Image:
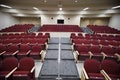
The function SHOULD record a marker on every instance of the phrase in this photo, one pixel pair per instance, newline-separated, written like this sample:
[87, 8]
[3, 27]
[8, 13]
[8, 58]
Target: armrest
[9, 44]
[85, 74]
[118, 56]
[77, 52]
[104, 55]
[91, 54]
[41, 52]
[15, 52]
[10, 72]
[73, 44]
[28, 52]
[32, 69]
[105, 75]
[2, 52]
[46, 45]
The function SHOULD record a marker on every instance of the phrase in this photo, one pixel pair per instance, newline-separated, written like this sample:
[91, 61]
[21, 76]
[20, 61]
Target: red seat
[36, 52]
[111, 68]
[92, 70]
[42, 42]
[2, 49]
[12, 50]
[8, 65]
[108, 52]
[82, 51]
[24, 51]
[72, 35]
[95, 52]
[26, 69]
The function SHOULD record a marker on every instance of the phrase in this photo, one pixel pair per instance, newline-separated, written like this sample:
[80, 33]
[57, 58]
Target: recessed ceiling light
[2, 5]
[45, 1]
[60, 9]
[36, 8]
[86, 8]
[76, 1]
[115, 7]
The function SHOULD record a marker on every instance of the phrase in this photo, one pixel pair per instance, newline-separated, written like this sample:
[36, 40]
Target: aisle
[67, 68]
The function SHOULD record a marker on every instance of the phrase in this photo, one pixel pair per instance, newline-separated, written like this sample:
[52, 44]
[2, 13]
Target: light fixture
[76, 1]
[2, 5]
[60, 5]
[60, 9]
[115, 7]
[85, 8]
[45, 1]
[35, 8]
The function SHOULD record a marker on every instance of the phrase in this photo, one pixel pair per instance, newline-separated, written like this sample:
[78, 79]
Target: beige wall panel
[29, 20]
[94, 21]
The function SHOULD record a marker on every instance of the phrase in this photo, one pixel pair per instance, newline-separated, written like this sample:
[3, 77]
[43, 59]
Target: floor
[39, 64]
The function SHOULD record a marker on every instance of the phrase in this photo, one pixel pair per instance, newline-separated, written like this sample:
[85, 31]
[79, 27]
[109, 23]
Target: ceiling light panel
[2, 5]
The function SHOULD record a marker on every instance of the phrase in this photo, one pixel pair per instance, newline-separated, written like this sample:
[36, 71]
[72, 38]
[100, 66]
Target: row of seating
[13, 69]
[24, 35]
[103, 29]
[96, 37]
[106, 70]
[60, 28]
[95, 42]
[21, 51]
[97, 52]
[95, 48]
[29, 41]
[18, 28]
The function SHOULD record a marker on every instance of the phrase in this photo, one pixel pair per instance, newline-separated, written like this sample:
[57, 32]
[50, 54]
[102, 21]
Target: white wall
[68, 19]
[115, 21]
[6, 20]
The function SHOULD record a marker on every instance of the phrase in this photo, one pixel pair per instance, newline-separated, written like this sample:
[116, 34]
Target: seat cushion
[95, 76]
[3, 73]
[21, 73]
[114, 76]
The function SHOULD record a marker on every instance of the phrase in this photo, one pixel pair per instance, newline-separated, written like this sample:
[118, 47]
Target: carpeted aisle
[67, 67]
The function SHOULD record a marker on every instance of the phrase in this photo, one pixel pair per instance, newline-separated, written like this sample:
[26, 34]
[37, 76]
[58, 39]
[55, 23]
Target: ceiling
[25, 7]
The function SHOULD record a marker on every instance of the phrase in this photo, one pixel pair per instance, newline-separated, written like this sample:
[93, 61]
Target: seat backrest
[82, 48]
[2, 48]
[9, 64]
[12, 48]
[92, 66]
[26, 64]
[111, 67]
[36, 48]
[107, 50]
[24, 47]
[95, 49]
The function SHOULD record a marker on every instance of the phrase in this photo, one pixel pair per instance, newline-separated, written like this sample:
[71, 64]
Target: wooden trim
[28, 52]
[105, 75]
[85, 73]
[104, 55]
[8, 75]
[15, 52]
[32, 69]
[2, 52]
[91, 54]
[118, 56]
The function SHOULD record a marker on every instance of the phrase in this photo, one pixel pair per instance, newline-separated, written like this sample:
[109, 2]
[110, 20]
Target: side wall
[115, 21]
[6, 20]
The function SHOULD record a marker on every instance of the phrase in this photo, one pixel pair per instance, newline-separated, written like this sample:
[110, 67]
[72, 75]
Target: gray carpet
[68, 69]
[66, 46]
[54, 40]
[53, 46]
[65, 41]
[67, 55]
[51, 55]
